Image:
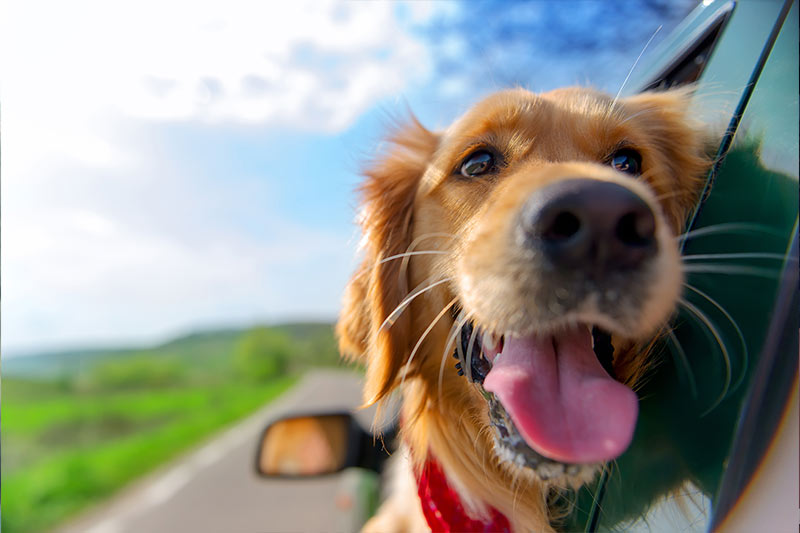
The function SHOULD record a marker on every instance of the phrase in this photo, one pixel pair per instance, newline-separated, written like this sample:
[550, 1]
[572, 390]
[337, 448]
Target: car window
[688, 65]
[672, 475]
[768, 136]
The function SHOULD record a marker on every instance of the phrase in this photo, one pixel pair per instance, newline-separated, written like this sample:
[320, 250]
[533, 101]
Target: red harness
[442, 506]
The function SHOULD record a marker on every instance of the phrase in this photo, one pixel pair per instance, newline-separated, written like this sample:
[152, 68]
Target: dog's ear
[684, 142]
[377, 288]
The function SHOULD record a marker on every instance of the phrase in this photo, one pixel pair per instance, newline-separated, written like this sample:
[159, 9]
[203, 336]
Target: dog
[518, 266]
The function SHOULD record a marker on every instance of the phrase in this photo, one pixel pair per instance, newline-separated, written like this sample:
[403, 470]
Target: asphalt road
[215, 488]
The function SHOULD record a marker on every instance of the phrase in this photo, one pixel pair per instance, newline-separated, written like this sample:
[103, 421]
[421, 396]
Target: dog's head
[522, 240]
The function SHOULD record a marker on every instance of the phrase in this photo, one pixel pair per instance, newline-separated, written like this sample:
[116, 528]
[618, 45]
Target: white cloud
[88, 252]
[314, 65]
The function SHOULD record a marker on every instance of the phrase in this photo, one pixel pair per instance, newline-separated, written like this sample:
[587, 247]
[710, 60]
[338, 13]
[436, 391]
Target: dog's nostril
[564, 226]
[636, 228]
[589, 225]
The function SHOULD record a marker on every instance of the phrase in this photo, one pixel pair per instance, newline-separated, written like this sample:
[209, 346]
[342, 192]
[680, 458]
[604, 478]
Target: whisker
[459, 348]
[407, 300]
[731, 270]
[409, 254]
[457, 325]
[399, 256]
[616, 470]
[413, 245]
[625, 81]
[470, 346]
[724, 350]
[728, 227]
[746, 255]
[601, 484]
[745, 354]
[681, 354]
[422, 338]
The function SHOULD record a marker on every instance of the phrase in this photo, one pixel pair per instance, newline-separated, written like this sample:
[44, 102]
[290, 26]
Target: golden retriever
[534, 241]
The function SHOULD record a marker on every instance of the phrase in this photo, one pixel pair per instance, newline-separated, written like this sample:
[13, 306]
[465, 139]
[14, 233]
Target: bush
[262, 354]
[136, 372]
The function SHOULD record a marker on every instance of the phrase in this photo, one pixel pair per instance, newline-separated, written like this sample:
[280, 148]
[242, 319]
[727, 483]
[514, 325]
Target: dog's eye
[477, 163]
[627, 161]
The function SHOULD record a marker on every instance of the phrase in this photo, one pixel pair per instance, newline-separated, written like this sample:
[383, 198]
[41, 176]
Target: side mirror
[314, 445]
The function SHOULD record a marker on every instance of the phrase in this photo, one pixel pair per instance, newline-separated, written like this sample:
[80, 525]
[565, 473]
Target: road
[215, 488]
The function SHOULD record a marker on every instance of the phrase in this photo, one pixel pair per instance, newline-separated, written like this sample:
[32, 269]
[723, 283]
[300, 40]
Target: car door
[729, 366]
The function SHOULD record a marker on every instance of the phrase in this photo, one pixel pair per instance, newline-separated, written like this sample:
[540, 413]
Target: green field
[72, 438]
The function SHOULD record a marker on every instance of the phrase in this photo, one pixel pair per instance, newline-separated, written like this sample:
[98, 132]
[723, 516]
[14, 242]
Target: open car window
[708, 413]
[688, 65]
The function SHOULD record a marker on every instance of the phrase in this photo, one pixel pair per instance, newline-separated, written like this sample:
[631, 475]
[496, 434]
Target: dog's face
[544, 226]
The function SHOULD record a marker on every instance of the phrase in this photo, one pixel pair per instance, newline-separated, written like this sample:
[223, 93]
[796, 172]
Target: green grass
[64, 450]
[79, 425]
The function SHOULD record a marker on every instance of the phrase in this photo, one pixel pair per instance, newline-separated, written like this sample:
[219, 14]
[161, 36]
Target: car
[716, 443]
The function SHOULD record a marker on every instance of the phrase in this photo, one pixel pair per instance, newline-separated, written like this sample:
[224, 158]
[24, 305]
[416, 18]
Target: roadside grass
[65, 450]
[79, 425]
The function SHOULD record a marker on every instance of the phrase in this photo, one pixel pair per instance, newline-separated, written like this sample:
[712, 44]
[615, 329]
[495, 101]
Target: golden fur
[412, 201]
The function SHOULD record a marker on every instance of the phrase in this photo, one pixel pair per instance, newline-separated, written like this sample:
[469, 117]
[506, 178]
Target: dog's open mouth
[553, 402]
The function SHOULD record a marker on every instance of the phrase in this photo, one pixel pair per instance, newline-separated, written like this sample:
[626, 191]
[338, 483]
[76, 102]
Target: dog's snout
[589, 224]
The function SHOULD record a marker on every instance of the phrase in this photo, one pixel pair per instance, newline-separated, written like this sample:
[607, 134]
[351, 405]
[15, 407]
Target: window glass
[671, 476]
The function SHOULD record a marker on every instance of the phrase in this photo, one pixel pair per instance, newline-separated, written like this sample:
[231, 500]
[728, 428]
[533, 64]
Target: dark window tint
[689, 65]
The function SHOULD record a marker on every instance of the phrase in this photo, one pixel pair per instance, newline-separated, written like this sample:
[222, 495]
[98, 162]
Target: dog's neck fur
[475, 474]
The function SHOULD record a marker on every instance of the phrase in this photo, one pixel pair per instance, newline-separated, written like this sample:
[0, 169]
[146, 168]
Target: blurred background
[178, 227]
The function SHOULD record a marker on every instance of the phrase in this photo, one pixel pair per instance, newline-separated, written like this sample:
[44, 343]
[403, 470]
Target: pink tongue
[561, 399]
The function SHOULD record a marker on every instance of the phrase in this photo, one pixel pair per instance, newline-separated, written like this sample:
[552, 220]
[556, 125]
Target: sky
[174, 166]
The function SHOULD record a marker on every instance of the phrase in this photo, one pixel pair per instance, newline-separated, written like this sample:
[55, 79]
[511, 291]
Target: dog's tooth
[498, 342]
[490, 340]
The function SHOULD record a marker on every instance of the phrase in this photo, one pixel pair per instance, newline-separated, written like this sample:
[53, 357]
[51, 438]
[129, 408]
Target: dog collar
[443, 509]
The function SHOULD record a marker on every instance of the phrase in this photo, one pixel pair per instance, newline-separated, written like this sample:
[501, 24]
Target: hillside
[210, 350]
[79, 425]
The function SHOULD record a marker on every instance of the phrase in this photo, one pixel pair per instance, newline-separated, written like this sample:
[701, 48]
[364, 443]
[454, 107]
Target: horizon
[101, 345]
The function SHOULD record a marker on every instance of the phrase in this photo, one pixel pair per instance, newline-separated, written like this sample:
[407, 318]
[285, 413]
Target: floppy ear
[376, 288]
[681, 138]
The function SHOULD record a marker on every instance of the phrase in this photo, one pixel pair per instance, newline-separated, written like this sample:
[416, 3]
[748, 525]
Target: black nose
[589, 224]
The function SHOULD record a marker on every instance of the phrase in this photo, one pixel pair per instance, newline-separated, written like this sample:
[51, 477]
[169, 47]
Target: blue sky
[173, 166]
